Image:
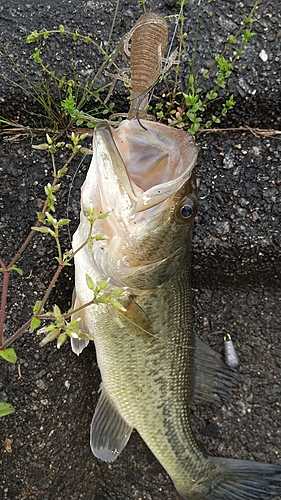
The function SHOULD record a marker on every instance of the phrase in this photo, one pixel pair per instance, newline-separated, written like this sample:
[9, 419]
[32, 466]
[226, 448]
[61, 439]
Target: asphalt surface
[44, 449]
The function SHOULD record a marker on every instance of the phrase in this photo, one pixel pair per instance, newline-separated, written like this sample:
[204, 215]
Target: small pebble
[263, 55]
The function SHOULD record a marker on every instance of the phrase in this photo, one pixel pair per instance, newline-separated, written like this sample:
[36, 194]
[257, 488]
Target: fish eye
[186, 210]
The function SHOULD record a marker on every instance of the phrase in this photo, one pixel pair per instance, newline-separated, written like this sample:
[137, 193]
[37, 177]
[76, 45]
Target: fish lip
[103, 134]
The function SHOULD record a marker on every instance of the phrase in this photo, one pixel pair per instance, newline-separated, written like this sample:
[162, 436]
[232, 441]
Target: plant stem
[25, 327]
[112, 26]
[67, 314]
[6, 273]
[32, 232]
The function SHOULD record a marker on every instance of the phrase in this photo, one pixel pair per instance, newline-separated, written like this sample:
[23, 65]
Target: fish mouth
[137, 176]
[150, 163]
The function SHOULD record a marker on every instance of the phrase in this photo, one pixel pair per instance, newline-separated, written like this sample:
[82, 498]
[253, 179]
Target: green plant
[187, 109]
[62, 99]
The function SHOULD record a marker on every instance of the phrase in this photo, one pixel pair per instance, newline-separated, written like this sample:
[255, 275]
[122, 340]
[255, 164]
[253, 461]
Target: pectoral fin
[213, 379]
[78, 345]
[109, 432]
[139, 322]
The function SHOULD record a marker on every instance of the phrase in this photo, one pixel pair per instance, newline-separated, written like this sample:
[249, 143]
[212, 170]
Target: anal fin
[213, 378]
[109, 432]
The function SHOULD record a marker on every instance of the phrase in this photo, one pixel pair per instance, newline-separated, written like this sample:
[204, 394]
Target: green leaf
[102, 216]
[118, 291]
[35, 323]
[85, 151]
[6, 409]
[211, 95]
[50, 337]
[194, 127]
[61, 339]
[57, 311]
[64, 222]
[50, 218]
[36, 56]
[190, 98]
[103, 285]
[99, 236]
[247, 35]
[9, 355]
[118, 306]
[43, 230]
[50, 142]
[215, 119]
[32, 37]
[191, 116]
[41, 147]
[90, 283]
[16, 268]
[221, 84]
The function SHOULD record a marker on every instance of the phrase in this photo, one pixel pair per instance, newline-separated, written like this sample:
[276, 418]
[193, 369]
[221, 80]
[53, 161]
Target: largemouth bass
[152, 366]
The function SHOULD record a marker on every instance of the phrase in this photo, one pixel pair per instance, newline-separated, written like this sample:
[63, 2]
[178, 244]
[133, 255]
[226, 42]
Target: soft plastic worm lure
[149, 38]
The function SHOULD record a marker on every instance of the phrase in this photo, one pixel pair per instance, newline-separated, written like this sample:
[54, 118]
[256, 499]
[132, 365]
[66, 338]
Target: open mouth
[151, 163]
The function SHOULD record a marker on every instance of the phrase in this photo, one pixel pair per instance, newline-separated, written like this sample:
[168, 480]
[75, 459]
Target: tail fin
[238, 480]
[245, 479]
